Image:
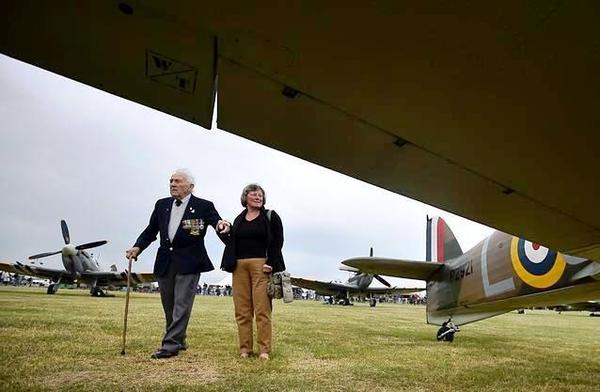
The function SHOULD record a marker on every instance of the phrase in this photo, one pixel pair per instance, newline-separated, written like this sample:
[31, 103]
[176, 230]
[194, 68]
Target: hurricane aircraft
[500, 274]
[357, 285]
[79, 267]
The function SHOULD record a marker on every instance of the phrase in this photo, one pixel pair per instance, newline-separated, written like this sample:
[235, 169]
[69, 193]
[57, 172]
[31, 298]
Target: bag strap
[269, 219]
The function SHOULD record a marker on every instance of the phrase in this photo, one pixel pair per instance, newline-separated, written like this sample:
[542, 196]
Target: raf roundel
[536, 265]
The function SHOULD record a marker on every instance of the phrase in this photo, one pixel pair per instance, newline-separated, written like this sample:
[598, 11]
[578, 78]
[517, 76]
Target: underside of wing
[410, 269]
[106, 278]
[473, 312]
[453, 99]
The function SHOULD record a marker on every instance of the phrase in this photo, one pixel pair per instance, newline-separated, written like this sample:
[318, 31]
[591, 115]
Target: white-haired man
[181, 220]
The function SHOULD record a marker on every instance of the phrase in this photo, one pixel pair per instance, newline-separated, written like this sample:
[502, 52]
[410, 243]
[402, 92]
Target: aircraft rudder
[441, 244]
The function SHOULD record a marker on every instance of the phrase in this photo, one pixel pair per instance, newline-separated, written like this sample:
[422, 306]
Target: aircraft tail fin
[441, 243]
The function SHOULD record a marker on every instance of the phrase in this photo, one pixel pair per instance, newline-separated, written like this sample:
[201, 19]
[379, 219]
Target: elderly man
[181, 221]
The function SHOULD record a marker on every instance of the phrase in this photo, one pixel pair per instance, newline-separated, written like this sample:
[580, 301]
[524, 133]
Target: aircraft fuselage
[500, 274]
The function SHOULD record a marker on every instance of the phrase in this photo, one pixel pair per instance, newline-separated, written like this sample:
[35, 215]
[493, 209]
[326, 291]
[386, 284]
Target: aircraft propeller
[383, 281]
[39, 256]
[90, 245]
[68, 249]
[65, 231]
[378, 277]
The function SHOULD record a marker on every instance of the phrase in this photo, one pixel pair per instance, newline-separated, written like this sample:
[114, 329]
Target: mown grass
[71, 341]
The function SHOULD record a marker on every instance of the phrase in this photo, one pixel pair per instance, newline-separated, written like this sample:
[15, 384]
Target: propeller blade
[90, 245]
[65, 231]
[371, 252]
[44, 255]
[385, 282]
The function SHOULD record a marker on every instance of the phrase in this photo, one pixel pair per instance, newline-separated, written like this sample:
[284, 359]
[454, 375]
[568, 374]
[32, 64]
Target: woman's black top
[273, 229]
[251, 239]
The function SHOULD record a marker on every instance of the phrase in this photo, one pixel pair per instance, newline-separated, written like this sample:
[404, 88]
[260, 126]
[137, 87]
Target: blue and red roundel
[536, 265]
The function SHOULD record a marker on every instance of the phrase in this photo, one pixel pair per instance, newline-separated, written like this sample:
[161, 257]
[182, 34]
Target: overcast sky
[69, 151]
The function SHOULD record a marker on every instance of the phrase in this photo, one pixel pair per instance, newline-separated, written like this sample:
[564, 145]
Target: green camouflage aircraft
[358, 285]
[79, 267]
[500, 274]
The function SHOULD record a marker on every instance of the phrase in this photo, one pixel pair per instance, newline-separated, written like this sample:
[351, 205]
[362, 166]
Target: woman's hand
[267, 269]
[223, 227]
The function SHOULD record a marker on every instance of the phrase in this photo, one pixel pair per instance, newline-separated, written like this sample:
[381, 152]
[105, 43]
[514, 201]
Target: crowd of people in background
[12, 279]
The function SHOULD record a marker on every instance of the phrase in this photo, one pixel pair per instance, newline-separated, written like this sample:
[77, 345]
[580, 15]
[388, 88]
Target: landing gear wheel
[372, 302]
[98, 292]
[52, 288]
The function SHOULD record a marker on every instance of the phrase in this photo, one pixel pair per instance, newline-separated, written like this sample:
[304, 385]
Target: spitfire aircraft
[80, 267]
[357, 285]
[500, 274]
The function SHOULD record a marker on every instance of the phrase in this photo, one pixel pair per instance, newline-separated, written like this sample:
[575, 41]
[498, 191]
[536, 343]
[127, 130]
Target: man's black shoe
[162, 354]
[183, 347]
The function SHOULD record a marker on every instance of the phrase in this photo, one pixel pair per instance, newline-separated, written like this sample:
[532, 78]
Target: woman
[252, 253]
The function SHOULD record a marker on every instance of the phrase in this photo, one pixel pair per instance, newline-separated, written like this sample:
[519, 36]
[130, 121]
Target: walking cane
[126, 305]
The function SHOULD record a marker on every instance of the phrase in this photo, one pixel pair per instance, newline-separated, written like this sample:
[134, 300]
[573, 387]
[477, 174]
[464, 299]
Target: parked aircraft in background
[356, 286]
[588, 306]
[500, 274]
[80, 267]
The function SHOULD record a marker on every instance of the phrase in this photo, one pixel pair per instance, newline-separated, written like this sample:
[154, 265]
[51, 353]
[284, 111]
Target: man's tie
[178, 202]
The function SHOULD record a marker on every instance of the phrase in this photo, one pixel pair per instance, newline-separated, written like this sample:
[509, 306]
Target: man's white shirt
[176, 215]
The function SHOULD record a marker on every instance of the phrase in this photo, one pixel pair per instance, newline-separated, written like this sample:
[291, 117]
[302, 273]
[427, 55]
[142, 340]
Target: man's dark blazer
[187, 251]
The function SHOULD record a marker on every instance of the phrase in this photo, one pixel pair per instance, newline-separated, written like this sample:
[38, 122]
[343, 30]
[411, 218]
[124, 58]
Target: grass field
[71, 341]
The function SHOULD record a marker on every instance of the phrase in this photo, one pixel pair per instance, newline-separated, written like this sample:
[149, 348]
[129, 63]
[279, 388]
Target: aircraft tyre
[52, 288]
[98, 292]
[372, 302]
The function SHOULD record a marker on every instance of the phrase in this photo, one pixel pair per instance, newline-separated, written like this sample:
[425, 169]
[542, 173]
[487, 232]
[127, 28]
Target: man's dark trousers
[177, 293]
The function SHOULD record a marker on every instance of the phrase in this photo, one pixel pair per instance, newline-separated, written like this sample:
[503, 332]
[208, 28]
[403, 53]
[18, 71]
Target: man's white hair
[187, 174]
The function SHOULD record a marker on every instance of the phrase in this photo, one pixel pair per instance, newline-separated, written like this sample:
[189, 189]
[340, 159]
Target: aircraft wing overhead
[459, 106]
[395, 267]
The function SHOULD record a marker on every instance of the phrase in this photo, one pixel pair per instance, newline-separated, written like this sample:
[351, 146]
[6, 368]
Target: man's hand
[267, 269]
[223, 227]
[132, 253]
